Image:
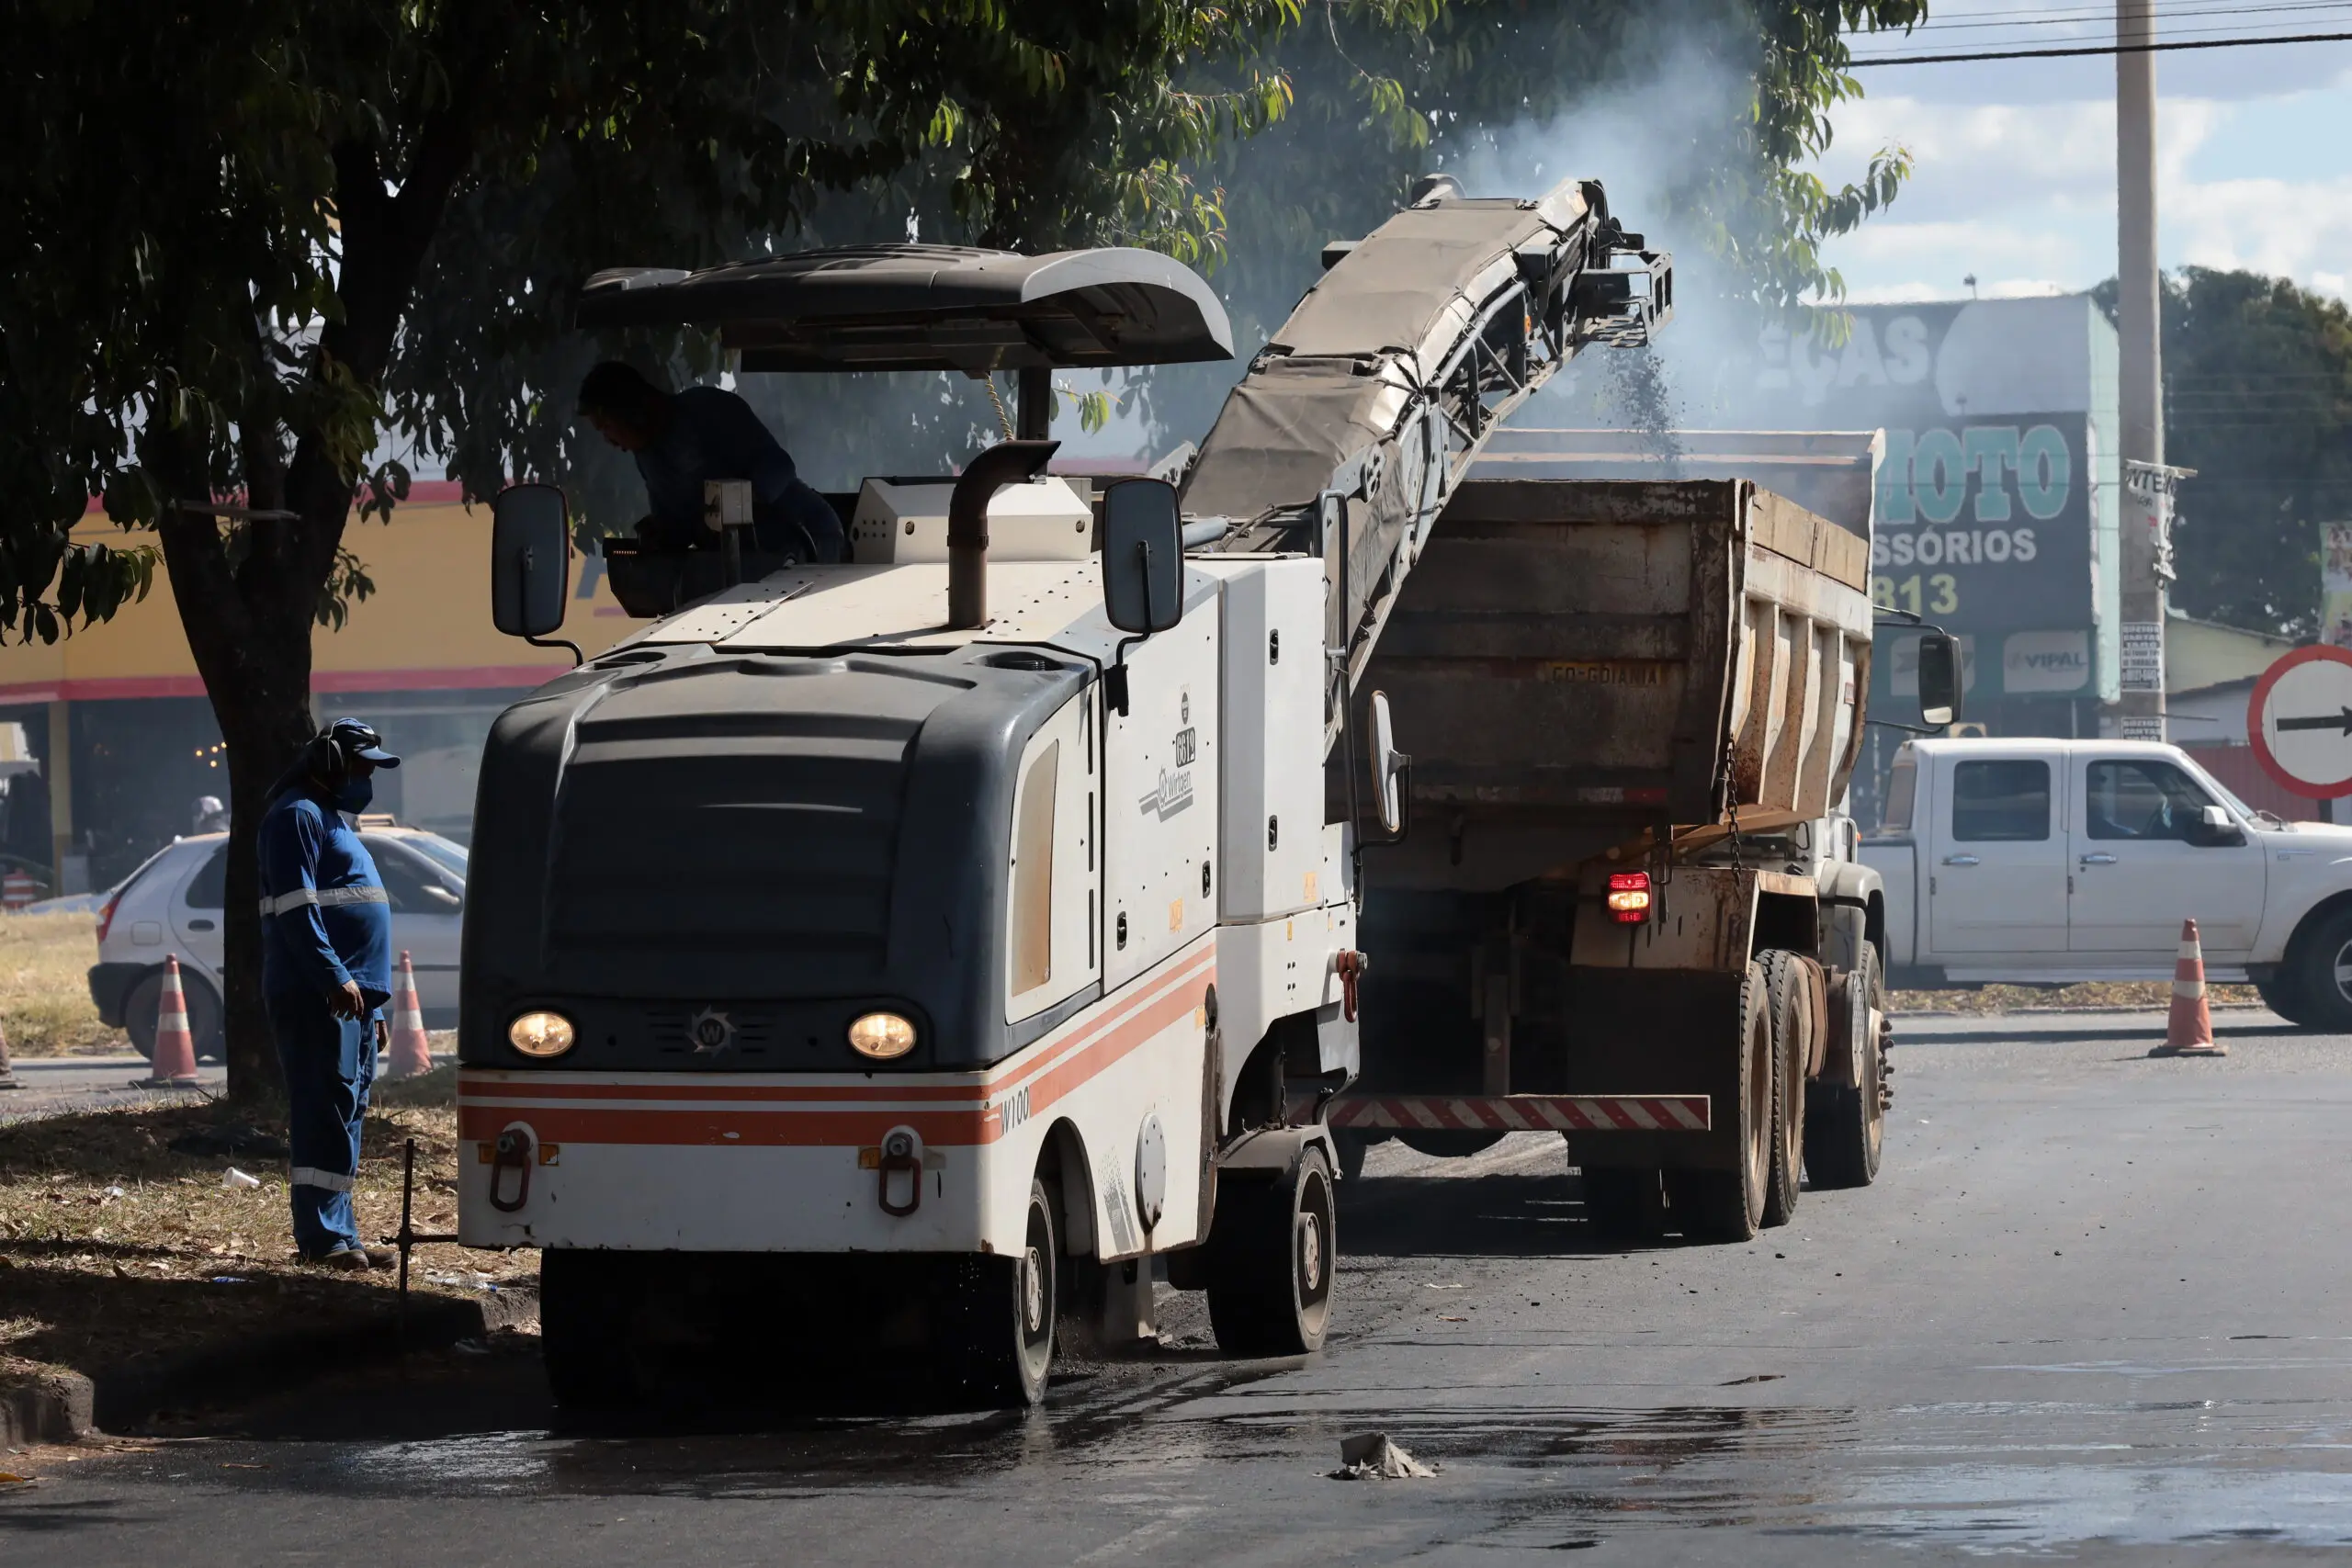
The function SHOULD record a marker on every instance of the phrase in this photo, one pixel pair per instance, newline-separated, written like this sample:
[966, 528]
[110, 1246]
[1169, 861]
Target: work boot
[352, 1259]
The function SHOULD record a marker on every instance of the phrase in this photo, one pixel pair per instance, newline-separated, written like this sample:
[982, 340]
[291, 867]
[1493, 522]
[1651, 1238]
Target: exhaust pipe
[1008, 462]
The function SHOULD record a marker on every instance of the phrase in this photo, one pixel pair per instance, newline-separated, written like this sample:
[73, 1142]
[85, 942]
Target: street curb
[63, 1408]
[49, 1406]
[2062, 1012]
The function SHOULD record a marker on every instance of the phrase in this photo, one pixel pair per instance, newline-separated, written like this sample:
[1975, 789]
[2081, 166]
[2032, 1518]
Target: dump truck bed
[1576, 660]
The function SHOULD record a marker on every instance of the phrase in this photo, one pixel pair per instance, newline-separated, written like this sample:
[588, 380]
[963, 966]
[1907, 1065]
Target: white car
[173, 905]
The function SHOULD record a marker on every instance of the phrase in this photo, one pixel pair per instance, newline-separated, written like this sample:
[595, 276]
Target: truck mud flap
[1522, 1112]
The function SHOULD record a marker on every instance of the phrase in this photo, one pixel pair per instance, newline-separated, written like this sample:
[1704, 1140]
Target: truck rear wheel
[1789, 1004]
[1625, 1205]
[1845, 1124]
[1001, 1347]
[1728, 1205]
[1271, 1255]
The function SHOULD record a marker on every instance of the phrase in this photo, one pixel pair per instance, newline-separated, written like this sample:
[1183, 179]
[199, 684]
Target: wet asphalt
[2094, 1311]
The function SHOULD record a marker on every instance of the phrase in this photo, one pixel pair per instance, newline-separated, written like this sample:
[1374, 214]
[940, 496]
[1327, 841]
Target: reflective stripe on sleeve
[325, 897]
[310, 1175]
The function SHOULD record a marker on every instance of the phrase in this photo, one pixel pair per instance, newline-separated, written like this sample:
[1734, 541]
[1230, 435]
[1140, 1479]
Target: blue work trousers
[330, 1064]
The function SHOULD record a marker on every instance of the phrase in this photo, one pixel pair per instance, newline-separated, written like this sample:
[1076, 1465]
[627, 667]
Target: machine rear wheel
[1271, 1257]
[1790, 986]
[1844, 1124]
[1005, 1314]
[1728, 1205]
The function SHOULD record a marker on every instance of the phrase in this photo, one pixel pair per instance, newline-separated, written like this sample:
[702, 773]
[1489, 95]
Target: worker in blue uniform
[326, 974]
[681, 440]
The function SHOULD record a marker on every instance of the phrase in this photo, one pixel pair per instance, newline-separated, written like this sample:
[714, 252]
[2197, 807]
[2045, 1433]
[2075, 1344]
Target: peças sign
[1988, 499]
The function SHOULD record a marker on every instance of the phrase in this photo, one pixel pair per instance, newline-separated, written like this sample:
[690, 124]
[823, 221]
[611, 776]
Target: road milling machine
[921, 952]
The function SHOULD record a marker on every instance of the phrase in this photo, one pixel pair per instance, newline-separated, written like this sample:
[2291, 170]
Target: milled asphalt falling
[2092, 1312]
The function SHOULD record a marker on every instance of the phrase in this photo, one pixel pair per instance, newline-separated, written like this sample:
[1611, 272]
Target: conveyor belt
[1355, 422]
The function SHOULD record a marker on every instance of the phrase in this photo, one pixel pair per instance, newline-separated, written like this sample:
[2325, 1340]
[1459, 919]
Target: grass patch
[2156, 994]
[45, 988]
[113, 1245]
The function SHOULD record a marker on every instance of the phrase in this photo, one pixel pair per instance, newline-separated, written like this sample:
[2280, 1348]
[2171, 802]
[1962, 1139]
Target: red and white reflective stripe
[2189, 970]
[1523, 1112]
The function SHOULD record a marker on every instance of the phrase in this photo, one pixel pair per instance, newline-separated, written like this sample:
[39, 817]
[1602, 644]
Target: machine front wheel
[1006, 1312]
[587, 1308]
[1271, 1257]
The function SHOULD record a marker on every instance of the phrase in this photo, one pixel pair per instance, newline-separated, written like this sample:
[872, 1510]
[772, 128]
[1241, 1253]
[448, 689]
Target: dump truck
[1630, 671]
[924, 950]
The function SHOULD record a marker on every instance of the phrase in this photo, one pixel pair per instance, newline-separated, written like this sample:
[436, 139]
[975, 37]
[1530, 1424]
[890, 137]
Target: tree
[1734, 99]
[211, 260]
[2258, 401]
[253, 240]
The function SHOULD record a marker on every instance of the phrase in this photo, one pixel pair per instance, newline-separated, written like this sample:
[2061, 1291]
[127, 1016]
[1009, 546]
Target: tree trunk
[249, 628]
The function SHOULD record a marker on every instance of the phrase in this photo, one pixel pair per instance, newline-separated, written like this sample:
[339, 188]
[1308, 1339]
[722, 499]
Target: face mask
[355, 796]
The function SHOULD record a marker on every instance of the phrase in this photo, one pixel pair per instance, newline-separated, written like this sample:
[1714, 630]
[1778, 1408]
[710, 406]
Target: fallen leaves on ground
[113, 1246]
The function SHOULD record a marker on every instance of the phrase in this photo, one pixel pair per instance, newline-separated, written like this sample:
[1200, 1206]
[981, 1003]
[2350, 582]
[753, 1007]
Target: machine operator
[682, 439]
[326, 974]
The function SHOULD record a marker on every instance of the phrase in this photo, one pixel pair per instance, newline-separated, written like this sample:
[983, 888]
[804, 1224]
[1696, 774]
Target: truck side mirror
[2215, 829]
[530, 559]
[1143, 557]
[1938, 680]
[1391, 770]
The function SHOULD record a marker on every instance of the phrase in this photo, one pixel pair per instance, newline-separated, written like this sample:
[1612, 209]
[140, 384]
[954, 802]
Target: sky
[2016, 159]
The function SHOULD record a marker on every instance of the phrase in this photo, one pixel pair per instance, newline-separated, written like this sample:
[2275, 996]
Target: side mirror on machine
[1143, 557]
[1392, 772]
[1938, 680]
[530, 563]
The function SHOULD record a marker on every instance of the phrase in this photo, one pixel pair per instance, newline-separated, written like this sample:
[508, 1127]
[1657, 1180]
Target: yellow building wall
[425, 628]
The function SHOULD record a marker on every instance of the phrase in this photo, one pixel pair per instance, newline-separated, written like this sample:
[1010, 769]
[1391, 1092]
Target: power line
[2163, 48]
[2039, 19]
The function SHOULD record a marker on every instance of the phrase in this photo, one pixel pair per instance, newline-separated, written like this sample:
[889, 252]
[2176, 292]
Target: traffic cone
[411, 1053]
[2189, 1031]
[174, 1063]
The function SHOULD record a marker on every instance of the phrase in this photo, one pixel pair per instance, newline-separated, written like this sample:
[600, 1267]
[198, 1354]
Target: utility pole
[2146, 501]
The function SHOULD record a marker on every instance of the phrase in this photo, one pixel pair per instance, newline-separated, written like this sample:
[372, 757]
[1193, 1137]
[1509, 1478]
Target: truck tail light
[1629, 896]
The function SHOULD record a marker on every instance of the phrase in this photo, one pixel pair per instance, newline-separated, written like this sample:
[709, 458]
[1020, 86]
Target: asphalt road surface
[2093, 1311]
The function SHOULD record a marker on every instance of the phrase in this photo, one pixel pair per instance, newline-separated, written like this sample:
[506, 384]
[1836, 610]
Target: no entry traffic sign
[2299, 722]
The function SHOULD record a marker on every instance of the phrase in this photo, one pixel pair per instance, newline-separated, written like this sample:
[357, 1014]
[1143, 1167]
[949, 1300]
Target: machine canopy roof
[928, 308]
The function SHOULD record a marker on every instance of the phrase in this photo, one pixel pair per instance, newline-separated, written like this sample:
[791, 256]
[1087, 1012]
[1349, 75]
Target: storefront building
[125, 737]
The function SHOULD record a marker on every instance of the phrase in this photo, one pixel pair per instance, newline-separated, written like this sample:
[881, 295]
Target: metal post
[2139, 321]
[1036, 395]
[61, 796]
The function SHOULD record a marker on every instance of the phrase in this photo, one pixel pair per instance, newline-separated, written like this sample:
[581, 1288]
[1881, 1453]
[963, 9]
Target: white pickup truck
[2047, 862]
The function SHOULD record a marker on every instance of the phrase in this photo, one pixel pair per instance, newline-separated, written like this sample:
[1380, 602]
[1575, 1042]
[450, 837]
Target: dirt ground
[45, 988]
[114, 1245]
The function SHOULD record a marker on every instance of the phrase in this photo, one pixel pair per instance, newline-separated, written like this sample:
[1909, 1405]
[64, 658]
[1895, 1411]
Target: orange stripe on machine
[709, 1112]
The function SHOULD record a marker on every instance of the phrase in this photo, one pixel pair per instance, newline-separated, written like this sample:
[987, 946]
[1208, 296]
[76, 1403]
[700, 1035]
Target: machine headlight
[540, 1034]
[884, 1036]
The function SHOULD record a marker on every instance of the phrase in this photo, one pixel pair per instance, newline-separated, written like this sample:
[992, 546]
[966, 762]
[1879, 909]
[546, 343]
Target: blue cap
[358, 738]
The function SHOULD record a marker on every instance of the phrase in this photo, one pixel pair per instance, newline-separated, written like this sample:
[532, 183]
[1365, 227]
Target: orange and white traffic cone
[411, 1053]
[174, 1063]
[2189, 1031]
